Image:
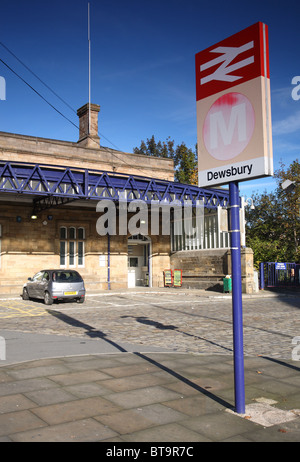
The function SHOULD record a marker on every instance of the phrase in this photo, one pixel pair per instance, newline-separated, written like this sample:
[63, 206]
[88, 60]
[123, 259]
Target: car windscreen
[66, 276]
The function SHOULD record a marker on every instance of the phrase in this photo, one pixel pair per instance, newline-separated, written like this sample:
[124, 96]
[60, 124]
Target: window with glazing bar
[72, 246]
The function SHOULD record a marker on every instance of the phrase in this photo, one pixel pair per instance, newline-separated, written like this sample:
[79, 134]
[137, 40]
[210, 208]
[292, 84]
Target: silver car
[53, 285]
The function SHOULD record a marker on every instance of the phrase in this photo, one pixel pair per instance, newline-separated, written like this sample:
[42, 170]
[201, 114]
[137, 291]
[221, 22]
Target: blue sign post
[237, 303]
[235, 142]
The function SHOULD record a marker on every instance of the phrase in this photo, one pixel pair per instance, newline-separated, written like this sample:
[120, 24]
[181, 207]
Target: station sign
[233, 109]
[280, 266]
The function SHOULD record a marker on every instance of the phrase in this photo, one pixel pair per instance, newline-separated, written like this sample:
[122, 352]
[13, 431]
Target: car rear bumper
[68, 294]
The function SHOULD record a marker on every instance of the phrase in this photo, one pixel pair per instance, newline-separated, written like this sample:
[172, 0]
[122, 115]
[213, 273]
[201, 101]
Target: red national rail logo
[232, 61]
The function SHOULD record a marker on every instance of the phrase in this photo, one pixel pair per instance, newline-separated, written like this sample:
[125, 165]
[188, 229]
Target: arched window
[72, 232]
[63, 232]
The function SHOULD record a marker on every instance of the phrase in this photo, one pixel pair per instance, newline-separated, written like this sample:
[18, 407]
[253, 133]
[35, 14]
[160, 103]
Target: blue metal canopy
[56, 185]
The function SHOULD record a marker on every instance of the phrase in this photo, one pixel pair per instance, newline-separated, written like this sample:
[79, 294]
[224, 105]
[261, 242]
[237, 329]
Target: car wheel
[25, 295]
[48, 299]
[80, 300]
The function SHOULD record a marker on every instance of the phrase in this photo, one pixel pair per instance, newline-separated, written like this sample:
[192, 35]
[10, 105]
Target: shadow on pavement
[89, 330]
[282, 363]
[186, 381]
[158, 325]
[92, 333]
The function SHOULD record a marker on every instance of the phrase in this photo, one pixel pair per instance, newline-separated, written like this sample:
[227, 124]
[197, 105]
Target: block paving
[182, 394]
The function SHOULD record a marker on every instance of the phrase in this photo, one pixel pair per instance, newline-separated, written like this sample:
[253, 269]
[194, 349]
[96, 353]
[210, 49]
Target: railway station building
[53, 197]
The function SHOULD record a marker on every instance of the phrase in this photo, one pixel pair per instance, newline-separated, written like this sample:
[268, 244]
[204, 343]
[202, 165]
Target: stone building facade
[65, 234]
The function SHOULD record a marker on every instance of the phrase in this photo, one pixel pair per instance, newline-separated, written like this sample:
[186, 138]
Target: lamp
[288, 185]
[252, 206]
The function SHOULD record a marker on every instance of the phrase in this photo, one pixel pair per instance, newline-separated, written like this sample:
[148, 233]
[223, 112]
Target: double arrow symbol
[228, 55]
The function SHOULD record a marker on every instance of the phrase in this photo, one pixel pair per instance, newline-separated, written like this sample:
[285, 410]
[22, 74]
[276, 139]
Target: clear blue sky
[143, 70]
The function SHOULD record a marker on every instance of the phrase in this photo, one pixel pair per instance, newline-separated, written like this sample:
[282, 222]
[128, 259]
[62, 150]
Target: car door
[42, 284]
[32, 285]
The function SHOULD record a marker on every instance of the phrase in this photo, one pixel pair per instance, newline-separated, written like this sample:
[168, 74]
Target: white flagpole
[89, 40]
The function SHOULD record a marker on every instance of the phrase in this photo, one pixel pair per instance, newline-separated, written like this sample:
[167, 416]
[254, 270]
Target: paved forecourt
[148, 366]
[173, 320]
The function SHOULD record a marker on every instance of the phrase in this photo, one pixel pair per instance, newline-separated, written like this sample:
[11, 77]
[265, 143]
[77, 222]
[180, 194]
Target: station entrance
[277, 274]
[139, 268]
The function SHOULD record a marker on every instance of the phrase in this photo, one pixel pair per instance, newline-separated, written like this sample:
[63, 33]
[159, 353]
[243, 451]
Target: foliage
[273, 228]
[185, 159]
[267, 250]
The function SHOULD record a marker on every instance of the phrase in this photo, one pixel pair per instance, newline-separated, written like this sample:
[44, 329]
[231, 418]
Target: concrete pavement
[147, 397]
[100, 389]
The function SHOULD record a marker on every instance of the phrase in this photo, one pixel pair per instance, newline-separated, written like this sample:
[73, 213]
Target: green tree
[186, 164]
[185, 159]
[290, 203]
[157, 149]
[273, 228]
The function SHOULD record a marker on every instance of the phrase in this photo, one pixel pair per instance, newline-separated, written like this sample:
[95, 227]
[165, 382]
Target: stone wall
[28, 246]
[247, 268]
[201, 269]
[160, 259]
[205, 269]
[22, 148]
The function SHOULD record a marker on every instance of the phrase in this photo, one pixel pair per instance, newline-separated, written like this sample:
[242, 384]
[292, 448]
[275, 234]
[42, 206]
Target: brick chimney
[88, 136]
